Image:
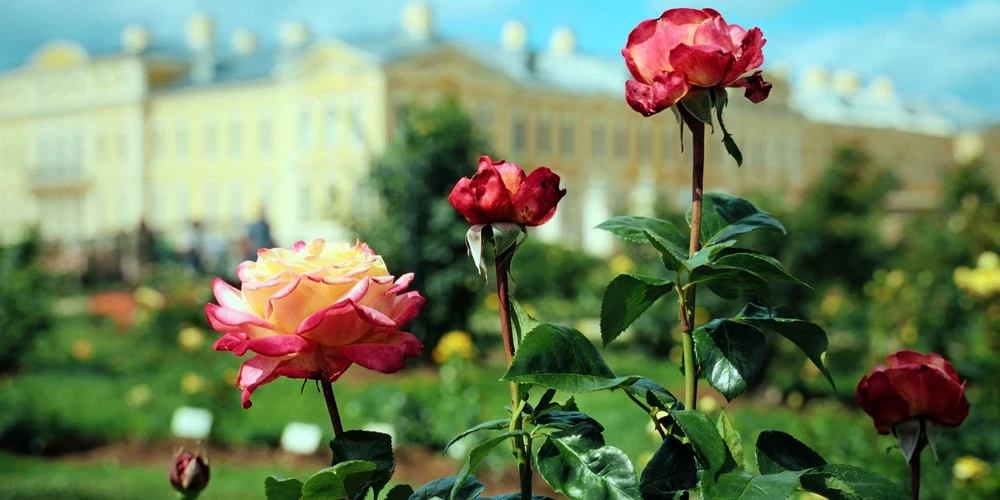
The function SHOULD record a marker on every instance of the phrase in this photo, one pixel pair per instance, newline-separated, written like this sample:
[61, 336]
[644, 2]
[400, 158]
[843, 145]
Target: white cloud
[936, 54]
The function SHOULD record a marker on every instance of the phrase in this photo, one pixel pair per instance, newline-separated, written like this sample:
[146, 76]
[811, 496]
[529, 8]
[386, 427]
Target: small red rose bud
[189, 473]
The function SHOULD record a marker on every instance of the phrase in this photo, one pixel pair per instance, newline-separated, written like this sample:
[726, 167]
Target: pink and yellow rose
[689, 49]
[312, 311]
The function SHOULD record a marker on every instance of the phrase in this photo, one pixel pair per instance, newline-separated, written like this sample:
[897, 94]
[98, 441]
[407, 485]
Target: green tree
[26, 293]
[418, 230]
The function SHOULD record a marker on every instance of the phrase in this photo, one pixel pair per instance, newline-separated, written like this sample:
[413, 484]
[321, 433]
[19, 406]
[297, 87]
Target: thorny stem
[331, 406]
[519, 444]
[687, 306]
[915, 476]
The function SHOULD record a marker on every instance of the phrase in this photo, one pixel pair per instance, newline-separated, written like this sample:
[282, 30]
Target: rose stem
[915, 476]
[331, 406]
[687, 306]
[503, 296]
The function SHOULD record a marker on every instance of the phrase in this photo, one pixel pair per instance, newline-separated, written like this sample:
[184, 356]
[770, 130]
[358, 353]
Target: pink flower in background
[912, 386]
[501, 192]
[687, 49]
[312, 311]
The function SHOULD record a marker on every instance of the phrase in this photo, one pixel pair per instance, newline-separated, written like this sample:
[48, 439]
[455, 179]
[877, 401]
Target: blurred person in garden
[193, 248]
[259, 234]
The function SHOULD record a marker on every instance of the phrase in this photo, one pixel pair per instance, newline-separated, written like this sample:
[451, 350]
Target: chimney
[514, 36]
[562, 42]
[136, 39]
[244, 42]
[418, 20]
[201, 41]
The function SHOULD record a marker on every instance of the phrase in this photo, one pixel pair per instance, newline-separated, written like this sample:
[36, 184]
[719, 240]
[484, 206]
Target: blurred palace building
[92, 144]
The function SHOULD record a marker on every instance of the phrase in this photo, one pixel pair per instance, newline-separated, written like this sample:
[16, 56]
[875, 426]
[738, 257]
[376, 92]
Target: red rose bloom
[912, 386]
[500, 192]
[690, 48]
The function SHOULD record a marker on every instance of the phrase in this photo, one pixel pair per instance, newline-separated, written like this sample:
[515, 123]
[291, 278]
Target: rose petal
[511, 174]
[492, 196]
[387, 356]
[931, 393]
[535, 203]
[667, 89]
[702, 65]
[225, 320]
[648, 47]
[737, 34]
[463, 198]
[752, 56]
[714, 32]
[260, 370]
[229, 297]
[907, 357]
[757, 88]
[879, 399]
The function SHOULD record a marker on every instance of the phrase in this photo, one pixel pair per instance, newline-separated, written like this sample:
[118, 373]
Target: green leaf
[577, 368]
[575, 462]
[654, 393]
[810, 338]
[732, 439]
[514, 496]
[522, 322]
[492, 425]
[724, 217]
[762, 265]
[719, 99]
[399, 492]
[566, 419]
[730, 355]
[506, 237]
[470, 489]
[374, 447]
[701, 257]
[673, 257]
[474, 245]
[730, 283]
[626, 298]
[476, 457]
[545, 401]
[741, 485]
[671, 469]
[631, 228]
[277, 488]
[706, 441]
[846, 482]
[778, 451]
[339, 482]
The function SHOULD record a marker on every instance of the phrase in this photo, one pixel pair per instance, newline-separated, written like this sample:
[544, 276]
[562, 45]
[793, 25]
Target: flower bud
[189, 473]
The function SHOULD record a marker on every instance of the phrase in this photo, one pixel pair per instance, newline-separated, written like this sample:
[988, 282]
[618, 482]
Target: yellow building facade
[90, 145]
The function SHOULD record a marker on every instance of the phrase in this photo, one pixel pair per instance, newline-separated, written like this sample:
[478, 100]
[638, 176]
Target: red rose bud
[189, 473]
[501, 192]
[913, 386]
[688, 48]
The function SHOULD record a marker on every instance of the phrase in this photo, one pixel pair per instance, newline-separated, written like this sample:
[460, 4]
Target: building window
[597, 140]
[181, 142]
[621, 142]
[566, 139]
[518, 137]
[544, 135]
[211, 139]
[265, 135]
[357, 126]
[234, 137]
[331, 125]
[304, 127]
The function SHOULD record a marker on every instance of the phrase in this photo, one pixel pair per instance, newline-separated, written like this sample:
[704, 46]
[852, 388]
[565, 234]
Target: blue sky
[946, 51]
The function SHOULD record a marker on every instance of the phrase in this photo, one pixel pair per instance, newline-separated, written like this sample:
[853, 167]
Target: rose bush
[312, 311]
[913, 386]
[501, 192]
[687, 49]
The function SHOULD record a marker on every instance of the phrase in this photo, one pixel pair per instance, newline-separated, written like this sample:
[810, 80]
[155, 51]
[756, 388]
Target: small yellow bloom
[190, 338]
[708, 404]
[895, 278]
[701, 316]
[988, 260]
[970, 468]
[454, 343]
[149, 298]
[192, 383]
[621, 264]
[82, 350]
[492, 302]
[139, 396]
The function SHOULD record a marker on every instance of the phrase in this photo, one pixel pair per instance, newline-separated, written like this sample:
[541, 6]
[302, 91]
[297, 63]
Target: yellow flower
[82, 350]
[895, 278]
[708, 404]
[190, 338]
[621, 264]
[192, 383]
[454, 343]
[492, 302]
[988, 260]
[970, 468]
[149, 298]
[701, 316]
[139, 396]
